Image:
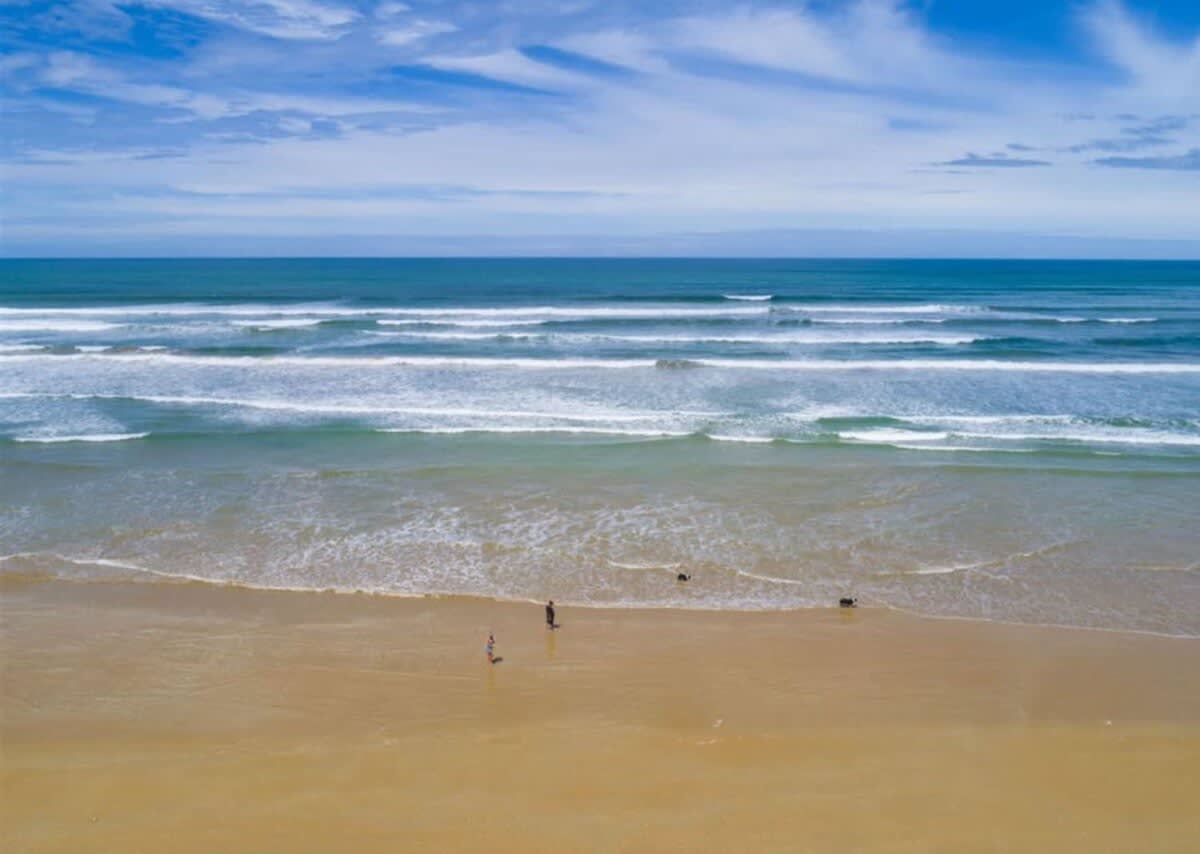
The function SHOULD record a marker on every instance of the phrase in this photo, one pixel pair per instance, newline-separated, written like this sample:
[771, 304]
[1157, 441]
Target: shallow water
[1008, 440]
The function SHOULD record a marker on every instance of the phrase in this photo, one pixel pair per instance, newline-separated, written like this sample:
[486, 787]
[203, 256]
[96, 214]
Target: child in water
[490, 648]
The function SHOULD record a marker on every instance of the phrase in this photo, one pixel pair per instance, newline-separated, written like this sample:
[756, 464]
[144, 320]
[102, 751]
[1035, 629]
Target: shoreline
[36, 577]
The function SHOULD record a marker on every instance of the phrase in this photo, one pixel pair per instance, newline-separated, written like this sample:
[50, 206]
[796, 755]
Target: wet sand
[185, 717]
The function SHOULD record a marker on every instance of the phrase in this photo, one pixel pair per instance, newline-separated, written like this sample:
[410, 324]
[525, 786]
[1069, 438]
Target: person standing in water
[490, 648]
[550, 624]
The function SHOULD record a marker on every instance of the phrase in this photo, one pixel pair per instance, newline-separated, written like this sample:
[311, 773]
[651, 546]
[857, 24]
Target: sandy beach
[188, 717]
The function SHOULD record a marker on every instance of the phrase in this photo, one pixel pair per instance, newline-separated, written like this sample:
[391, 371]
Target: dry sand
[183, 717]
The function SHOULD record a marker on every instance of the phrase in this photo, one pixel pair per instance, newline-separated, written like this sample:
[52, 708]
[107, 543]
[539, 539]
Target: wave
[581, 426]
[882, 308]
[340, 408]
[277, 323]
[779, 339]
[337, 408]
[654, 312]
[931, 570]
[1091, 437]
[1098, 319]
[771, 579]
[749, 297]
[282, 315]
[726, 437]
[884, 437]
[184, 309]
[863, 321]
[484, 362]
[109, 563]
[33, 325]
[820, 426]
[645, 566]
[426, 314]
[476, 323]
[546, 429]
[85, 437]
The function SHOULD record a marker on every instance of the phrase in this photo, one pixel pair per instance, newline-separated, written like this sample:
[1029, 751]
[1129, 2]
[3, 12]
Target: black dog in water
[847, 602]
[683, 576]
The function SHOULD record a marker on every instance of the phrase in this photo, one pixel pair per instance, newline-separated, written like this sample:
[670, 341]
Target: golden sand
[182, 717]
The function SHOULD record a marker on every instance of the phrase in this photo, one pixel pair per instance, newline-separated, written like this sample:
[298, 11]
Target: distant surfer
[848, 602]
[550, 624]
[684, 576]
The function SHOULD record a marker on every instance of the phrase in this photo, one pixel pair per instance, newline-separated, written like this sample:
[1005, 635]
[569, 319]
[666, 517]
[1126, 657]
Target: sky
[1029, 128]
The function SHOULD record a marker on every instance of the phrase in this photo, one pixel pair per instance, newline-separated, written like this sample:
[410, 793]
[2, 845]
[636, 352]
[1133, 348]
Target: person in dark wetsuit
[550, 624]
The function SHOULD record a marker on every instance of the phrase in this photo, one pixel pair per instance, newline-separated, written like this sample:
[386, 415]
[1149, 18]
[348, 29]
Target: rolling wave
[277, 323]
[487, 362]
[778, 339]
[85, 437]
[47, 325]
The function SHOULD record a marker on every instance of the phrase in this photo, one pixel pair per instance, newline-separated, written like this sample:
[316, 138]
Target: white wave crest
[484, 362]
[1100, 435]
[544, 429]
[36, 325]
[751, 440]
[470, 323]
[277, 323]
[778, 339]
[85, 437]
[884, 436]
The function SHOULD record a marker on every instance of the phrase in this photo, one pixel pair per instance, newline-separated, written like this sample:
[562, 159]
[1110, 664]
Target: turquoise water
[1009, 440]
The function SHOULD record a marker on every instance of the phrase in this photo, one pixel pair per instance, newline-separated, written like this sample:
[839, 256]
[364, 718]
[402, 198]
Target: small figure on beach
[490, 648]
[550, 624]
[684, 576]
[848, 602]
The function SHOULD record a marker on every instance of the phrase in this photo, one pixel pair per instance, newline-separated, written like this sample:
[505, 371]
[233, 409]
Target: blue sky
[207, 127]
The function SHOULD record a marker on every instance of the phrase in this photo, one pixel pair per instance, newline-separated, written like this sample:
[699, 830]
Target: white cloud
[780, 38]
[17, 61]
[1160, 69]
[510, 66]
[282, 19]
[401, 28]
[80, 73]
[414, 31]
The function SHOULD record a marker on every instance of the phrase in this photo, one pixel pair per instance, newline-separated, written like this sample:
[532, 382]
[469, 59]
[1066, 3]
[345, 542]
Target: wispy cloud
[283, 19]
[988, 161]
[1158, 65]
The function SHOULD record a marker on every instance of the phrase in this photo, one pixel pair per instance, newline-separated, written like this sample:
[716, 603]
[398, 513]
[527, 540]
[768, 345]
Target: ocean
[1006, 440]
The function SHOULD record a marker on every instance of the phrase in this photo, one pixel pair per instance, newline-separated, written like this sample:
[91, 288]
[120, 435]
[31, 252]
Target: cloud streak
[992, 161]
[1187, 162]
